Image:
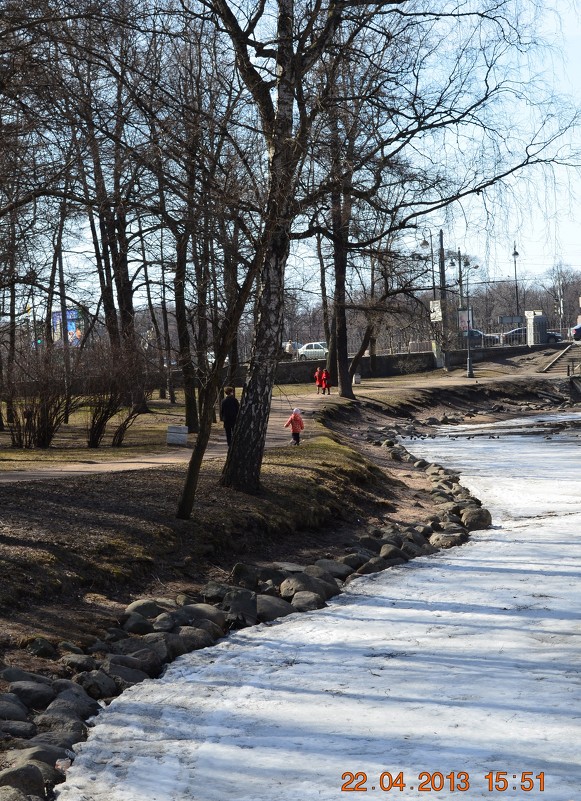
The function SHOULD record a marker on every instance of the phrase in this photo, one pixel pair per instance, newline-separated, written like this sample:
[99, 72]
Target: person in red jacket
[318, 378]
[326, 381]
[296, 424]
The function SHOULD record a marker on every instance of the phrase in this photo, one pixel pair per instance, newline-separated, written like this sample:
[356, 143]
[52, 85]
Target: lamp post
[515, 255]
[425, 244]
[469, 370]
[438, 310]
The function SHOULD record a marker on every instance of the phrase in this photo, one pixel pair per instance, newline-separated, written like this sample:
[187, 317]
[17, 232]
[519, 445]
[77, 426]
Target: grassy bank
[113, 533]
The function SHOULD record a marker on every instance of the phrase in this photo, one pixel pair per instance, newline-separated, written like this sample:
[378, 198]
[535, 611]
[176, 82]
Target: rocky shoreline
[41, 718]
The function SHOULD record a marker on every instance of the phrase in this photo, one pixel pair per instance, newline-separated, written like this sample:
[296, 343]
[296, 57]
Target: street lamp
[469, 370]
[515, 255]
[438, 308]
[425, 244]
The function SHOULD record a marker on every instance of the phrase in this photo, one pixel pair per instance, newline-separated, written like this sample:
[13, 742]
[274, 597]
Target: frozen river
[456, 676]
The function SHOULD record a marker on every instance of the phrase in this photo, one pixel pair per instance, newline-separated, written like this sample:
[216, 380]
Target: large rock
[189, 613]
[211, 628]
[43, 648]
[78, 662]
[64, 723]
[302, 582]
[476, 518]
[271, 608]
[370, 543]
[240, 607]
[273, 574]
[146, 607]
[245, 576]
[375, 565]
[391, 538]
[50, 774]
[194, 638]
[166, 645]
[215, 591]
[28, 779]
[96, 683]
[442, 539]
[11, 674]
[390, 551]
[56, 737]
[74, 703]
[336, 569]
[353, 560]
[33, 694]
[122, 675]
[137, 624]
[164, 622]
[144, 661]
[18, 728]
[411, 549]
[37, 753]
[307, 601]
[10, 710]
[320, 573]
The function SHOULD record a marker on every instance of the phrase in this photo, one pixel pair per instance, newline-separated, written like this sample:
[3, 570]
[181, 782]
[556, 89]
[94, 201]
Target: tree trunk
[244, 461]
[362, 348]
[207, 402]
[186, 363]
[340, 235]
[324, 299]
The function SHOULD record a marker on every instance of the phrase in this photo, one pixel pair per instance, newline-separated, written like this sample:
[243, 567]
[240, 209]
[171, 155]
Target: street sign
[435, 311]
[510, 319]
[464, 319]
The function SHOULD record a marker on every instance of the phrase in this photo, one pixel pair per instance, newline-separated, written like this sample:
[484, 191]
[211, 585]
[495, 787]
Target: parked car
[554, 336]
[518, 336]
[480, 339]
[576, 332]
[313, 350]
[212, 359]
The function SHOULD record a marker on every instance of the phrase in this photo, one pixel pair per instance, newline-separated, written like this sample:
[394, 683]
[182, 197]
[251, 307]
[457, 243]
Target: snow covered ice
[465, 662]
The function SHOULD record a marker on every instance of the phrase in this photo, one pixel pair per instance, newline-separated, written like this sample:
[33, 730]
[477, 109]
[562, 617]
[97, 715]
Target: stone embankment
[42, 718]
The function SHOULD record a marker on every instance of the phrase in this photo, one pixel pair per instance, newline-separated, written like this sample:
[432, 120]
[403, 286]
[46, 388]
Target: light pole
[425, 244]
[515, 255]
[438, 309]
[469, 370]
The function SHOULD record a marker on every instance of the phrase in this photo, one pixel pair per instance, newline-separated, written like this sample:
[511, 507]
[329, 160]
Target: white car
[313, 350]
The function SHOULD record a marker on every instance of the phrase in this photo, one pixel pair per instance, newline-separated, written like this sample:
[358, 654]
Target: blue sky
[551, 232]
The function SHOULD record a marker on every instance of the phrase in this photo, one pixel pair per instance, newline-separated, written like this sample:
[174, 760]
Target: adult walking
[229, 412]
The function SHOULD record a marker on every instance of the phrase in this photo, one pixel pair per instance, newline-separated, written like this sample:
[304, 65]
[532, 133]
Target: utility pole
[443, 300]
[515, 255]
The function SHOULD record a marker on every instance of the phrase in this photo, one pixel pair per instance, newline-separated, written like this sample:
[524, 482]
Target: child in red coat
[296, 424]
[326, 381]
[318, 378]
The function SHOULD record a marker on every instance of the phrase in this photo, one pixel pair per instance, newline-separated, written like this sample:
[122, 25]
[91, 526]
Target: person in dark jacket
[229, 412]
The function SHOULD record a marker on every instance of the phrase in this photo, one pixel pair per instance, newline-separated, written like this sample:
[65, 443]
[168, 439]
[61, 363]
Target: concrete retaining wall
[385, 366]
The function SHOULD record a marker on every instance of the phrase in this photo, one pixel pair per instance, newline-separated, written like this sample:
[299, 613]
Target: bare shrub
[113, 381]
[39, 398]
